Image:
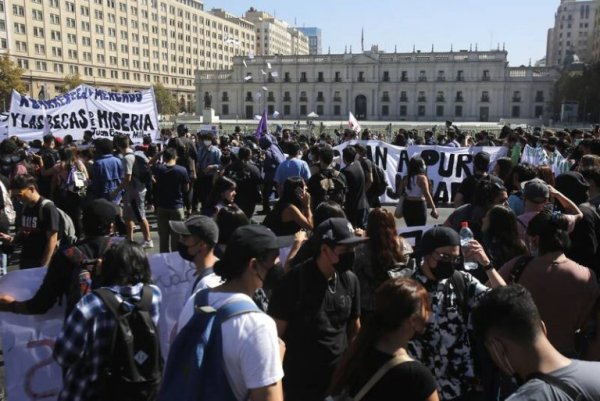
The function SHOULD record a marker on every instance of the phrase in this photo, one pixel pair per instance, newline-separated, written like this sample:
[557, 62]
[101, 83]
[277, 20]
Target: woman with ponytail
[564, 291]
[377, 366]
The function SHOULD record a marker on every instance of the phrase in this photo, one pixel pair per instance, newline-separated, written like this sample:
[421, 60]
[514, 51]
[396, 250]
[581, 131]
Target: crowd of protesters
[353, 311]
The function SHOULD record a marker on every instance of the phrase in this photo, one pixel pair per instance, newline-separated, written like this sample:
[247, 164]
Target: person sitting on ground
[514, 333]
[402, 309]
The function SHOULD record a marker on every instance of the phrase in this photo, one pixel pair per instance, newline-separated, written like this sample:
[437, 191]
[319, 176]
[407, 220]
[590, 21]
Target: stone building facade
[458, 86]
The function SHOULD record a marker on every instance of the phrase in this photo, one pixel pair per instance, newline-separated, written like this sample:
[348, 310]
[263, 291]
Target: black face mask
[444, 270]
[345, 262]
[182, 249]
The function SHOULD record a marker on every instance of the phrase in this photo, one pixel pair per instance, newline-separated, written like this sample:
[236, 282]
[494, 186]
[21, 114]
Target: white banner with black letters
[446, 167]
[31, 373]
[85, 108]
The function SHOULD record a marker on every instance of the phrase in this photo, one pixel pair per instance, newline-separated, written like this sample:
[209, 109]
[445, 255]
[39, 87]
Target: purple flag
[262, 128]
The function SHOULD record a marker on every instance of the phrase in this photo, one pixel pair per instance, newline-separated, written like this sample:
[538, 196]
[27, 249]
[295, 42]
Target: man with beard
[316, 308]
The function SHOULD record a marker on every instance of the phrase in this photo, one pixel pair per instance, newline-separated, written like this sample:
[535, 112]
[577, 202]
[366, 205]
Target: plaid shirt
[83, 343]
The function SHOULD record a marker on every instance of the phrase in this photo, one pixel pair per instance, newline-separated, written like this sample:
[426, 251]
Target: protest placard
[85, 108]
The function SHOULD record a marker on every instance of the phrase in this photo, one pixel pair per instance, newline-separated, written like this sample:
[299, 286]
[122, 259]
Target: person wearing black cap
[317, 310]
[61, 277]
[198, 237]
[251, 349]
[444, 347]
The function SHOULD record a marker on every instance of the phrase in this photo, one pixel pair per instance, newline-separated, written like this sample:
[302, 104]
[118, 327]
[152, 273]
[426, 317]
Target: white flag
[263, 72]
[275, 74]
[247, 77]
[353, 123]
[245, 65]
[269, 66]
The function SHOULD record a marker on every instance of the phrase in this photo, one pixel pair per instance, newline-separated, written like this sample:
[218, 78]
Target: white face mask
[207, 143]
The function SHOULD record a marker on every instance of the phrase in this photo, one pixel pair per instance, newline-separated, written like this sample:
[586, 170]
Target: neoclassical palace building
[458, 85]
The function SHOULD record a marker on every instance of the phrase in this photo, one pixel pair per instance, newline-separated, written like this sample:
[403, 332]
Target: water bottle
[466, 236]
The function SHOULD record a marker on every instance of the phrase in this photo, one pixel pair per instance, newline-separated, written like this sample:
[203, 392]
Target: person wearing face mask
[514, 333]
[552, 278]
[402, 310]
[207, 166]
[294, 166]
[444, 347]
[316, 307]
[198, 238]
[252, 353]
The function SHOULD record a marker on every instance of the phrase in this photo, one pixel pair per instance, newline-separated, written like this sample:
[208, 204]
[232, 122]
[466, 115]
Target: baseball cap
[437, 237]
[536, 191]
[337, 231]
[251, 241]
[201, 226]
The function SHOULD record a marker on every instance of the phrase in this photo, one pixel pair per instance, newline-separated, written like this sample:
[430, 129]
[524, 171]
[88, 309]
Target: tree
[70, 82]
[165, 103]
[10, 78]
[582, 88]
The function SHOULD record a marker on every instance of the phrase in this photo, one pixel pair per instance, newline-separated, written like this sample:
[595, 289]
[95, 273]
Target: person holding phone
[292, 211]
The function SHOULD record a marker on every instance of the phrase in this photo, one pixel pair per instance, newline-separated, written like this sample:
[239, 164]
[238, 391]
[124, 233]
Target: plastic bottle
[466, 236]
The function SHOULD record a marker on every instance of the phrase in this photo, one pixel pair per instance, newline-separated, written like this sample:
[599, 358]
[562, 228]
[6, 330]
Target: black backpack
[379, 181]
[331, 188]
[134, 369]
[141, 170]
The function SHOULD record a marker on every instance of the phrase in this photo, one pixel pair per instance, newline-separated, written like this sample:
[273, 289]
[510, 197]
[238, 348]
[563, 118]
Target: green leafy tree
[581, 87]
[70, 82]
[10, 78]
[165, 103]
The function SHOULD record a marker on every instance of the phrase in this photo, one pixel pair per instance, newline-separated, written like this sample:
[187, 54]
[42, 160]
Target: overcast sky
[522, 25]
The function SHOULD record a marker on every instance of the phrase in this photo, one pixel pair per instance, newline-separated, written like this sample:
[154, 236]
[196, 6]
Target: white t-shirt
[250, 345]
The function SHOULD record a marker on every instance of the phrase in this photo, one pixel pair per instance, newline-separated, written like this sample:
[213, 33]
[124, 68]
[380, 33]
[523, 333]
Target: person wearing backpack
[39, 226]
[445, 348]
[327, 184]
[509, 323]
[248, 179]
[109, 346]
[228, 350]
[63, 276]
[136, 170]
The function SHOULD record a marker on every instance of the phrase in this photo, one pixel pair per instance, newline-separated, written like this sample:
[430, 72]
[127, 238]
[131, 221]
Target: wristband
[488, 267]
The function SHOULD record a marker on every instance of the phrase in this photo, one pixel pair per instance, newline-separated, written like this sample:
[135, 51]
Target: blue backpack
[195, 368]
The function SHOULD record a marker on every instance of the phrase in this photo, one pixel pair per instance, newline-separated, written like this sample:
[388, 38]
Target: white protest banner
[382, 154]
[31, 372]
[540, 157]
[174, 276]
[85, 108]
[447, 167]
[3, 126]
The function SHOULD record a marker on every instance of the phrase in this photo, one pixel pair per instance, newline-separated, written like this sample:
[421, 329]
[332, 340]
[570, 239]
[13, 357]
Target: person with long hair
[222, 194]
[383, 251]
[553, 279]
[500, 235]
[402, 310]
[61, 184]
[503, 168]
[292, 211]
[417, 192]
